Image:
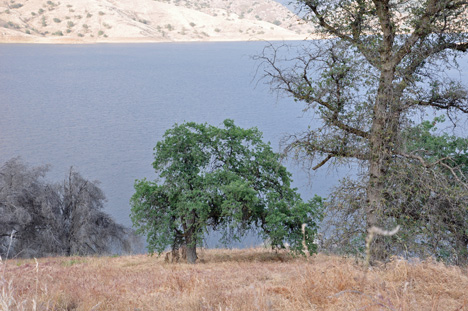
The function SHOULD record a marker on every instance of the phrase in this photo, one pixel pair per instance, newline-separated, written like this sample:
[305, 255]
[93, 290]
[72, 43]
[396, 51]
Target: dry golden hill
[244, 280]
[87, 21]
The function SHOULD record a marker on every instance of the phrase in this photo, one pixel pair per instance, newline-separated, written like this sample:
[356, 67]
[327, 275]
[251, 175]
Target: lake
[102, 108]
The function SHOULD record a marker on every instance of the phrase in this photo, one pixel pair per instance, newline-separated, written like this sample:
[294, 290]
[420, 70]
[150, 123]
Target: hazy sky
[289, 3]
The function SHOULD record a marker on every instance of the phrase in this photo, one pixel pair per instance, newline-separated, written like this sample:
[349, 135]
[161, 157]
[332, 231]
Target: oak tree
[429, 201]
[378, 64]
[225, 179]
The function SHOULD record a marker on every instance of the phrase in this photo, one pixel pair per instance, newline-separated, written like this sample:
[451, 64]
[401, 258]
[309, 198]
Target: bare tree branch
[322, 163]
[57, 219]
[438, 162]
[356, 25]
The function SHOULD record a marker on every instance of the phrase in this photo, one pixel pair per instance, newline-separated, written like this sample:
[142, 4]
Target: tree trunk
[375, 189]
[190, 239]
[382, 139]
[191, 247]
[462, 250]
[191, 253]
[175, 253]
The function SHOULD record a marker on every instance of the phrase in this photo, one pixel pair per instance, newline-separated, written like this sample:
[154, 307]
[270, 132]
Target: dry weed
[251, 279]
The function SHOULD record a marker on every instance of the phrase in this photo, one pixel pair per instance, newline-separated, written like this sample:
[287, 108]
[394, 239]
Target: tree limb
[356, 25]
[322, 163]
[440, 105]
[429, 165]
[343, 153]
[423, 30]
[383, 12]
[309, 98]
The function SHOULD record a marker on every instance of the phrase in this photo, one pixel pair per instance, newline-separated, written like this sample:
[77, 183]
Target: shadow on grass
[246, 255]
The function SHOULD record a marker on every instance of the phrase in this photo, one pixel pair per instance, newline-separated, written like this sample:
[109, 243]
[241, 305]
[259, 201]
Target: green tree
[226, 179]
[383, 61]
[425, 194]
[435, 184]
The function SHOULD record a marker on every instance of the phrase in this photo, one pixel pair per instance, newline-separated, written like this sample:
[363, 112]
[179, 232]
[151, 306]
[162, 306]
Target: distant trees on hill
[39, 218]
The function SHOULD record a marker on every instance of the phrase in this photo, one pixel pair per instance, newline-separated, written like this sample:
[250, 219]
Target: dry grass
[253, 279]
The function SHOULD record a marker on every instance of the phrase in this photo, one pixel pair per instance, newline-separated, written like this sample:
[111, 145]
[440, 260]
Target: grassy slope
[254, 279]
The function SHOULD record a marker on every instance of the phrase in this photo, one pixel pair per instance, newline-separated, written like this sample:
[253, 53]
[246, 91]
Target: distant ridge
[88, 21]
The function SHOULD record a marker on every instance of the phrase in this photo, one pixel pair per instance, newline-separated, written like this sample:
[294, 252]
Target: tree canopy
[429, 202]
[226, 179]
[380, 63]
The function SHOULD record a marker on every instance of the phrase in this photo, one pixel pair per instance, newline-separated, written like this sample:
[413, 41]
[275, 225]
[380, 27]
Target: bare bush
[64, 218]
[428, 204]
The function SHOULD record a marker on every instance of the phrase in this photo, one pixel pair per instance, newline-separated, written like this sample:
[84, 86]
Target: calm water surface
[102, 108]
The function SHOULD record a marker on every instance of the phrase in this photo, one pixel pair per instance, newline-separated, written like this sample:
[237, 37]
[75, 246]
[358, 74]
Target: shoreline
[79, 41]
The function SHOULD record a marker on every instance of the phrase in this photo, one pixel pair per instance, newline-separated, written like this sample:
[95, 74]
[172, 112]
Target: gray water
[102, 108]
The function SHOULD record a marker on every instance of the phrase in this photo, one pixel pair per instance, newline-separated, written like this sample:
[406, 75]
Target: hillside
[87, 21]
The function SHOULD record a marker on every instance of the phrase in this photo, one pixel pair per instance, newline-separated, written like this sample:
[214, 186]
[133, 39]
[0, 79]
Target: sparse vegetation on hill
[238, 280]
[146, 20]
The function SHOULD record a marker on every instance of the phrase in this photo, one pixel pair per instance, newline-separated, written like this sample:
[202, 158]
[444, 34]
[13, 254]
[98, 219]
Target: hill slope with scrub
[88, 21]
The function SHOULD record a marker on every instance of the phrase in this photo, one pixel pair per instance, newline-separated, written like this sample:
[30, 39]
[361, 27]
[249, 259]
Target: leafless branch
[438, 162]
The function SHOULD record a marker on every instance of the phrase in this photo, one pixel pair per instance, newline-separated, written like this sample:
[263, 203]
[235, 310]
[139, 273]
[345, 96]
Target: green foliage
[226, 179]
[428, 201]
[384, 63]
[16, 6]
[57, 20]
[424, 141]
[432, 198]
[51, 5]
[12, 25]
